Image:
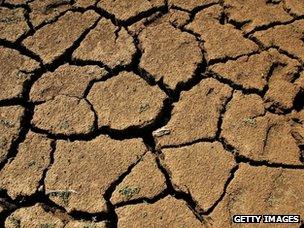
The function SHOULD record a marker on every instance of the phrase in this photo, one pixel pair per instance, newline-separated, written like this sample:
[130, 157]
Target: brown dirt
[150, 113]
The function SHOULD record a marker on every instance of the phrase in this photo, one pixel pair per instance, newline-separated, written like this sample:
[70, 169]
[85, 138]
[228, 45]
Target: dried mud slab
[200, 170]
[261, 190]
[54, 39]
[144, 182]
[107, 45]
[196, 115]
[84, 224]
[167, 212]
[256, 134]
[17, 2]
[34, 216]
[296, 7]
[13, 76]
[221, 40]
[45, 11]
[85, 3]
[10, 127]
[80, 186]
[12, 24]
[66, 80]
[255, 13]
[190, 5]
[176, 18]
[124, 10]
[288, 38]
[166, 55]
[65, 115]
[21, 176]
[126, 101]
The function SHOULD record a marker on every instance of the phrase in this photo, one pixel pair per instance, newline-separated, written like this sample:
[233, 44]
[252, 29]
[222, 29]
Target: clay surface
[150, 113]
[144, 181]
[124, 10]
[169, 60]
[267, 192]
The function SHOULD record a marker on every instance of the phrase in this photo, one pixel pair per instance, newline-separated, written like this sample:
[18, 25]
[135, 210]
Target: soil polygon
[166, 56]
[22, 175]
[64, 115]
[126, 101]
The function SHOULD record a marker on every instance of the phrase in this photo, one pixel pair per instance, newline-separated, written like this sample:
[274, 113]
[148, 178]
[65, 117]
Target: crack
[21, 49]
[125, 23]
[273, 25]
[229, 180]
[221, 116]
[25, 126]
[108, 193]
[42, 180]
[186, 197]
[234, 85]
[243, 159]
[66, 56]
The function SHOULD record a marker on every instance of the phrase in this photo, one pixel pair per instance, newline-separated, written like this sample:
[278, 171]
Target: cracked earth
[150, 113]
